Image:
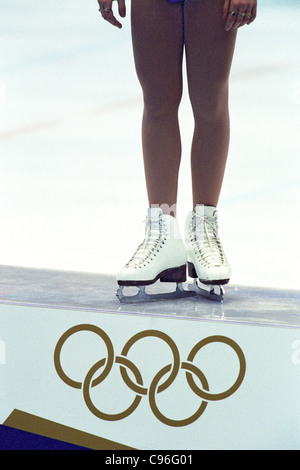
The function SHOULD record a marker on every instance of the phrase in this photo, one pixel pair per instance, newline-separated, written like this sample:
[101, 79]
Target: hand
[109, 15]
[239, 12]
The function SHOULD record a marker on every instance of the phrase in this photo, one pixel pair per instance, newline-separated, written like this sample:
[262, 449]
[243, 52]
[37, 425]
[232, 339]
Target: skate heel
[174, 274]
[192, 270]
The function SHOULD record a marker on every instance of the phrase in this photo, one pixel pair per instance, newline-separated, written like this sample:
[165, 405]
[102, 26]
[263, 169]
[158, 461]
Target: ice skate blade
[207, 291]
[143, 296]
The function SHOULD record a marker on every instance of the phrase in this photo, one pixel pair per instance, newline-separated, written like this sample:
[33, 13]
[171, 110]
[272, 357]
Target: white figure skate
[161, 256]
[207, 263]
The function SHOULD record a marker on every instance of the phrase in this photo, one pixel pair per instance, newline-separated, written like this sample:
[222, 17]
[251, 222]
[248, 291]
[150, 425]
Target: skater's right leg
[157, 35]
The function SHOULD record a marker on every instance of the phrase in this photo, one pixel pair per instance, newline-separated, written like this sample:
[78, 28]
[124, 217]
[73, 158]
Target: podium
[77, 368]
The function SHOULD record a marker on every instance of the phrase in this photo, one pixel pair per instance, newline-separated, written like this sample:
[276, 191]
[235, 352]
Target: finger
[109, 16]
[105, 7]
[247, 13]
[247, 17]
[122, 8]
[231, 18]
[233, 12]
[226, 8]
[245, 20]
[239, 19]
[253, 14]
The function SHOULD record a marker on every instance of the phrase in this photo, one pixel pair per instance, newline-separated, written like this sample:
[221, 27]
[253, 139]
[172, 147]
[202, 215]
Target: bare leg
[209, 51]
[157, 35]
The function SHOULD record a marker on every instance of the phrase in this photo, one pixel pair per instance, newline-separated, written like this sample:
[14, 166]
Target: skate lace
[155, 237]
[206, 240]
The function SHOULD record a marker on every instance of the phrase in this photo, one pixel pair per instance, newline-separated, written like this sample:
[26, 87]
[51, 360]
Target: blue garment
[175, 1]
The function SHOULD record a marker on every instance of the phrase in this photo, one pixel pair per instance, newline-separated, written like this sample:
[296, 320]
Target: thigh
[157, 37]
[209, 50]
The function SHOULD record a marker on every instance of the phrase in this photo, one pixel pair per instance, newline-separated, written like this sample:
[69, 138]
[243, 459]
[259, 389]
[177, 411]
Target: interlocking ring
[90, 404]
[217, 396]
[63, 339]
[174, 369]
[152, 401]
[170, 370]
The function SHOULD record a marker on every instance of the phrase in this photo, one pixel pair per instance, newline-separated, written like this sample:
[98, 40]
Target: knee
[210, 105]
[162, 105]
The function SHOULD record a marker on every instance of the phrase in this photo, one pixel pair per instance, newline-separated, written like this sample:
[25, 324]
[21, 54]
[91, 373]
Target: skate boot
[161, 256]
[207, 263]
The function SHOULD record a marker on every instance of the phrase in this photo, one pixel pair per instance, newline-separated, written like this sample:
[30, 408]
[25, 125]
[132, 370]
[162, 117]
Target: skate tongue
[154, 212]
[153, 227]
[202, 210]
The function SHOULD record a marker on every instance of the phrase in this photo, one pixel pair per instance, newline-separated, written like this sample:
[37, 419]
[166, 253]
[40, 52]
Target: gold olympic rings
[170, 370]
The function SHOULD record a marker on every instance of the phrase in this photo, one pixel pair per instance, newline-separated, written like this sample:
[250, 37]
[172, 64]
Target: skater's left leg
[209, 52]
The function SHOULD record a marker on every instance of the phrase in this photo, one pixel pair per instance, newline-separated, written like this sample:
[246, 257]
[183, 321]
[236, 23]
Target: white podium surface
[77, 365]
